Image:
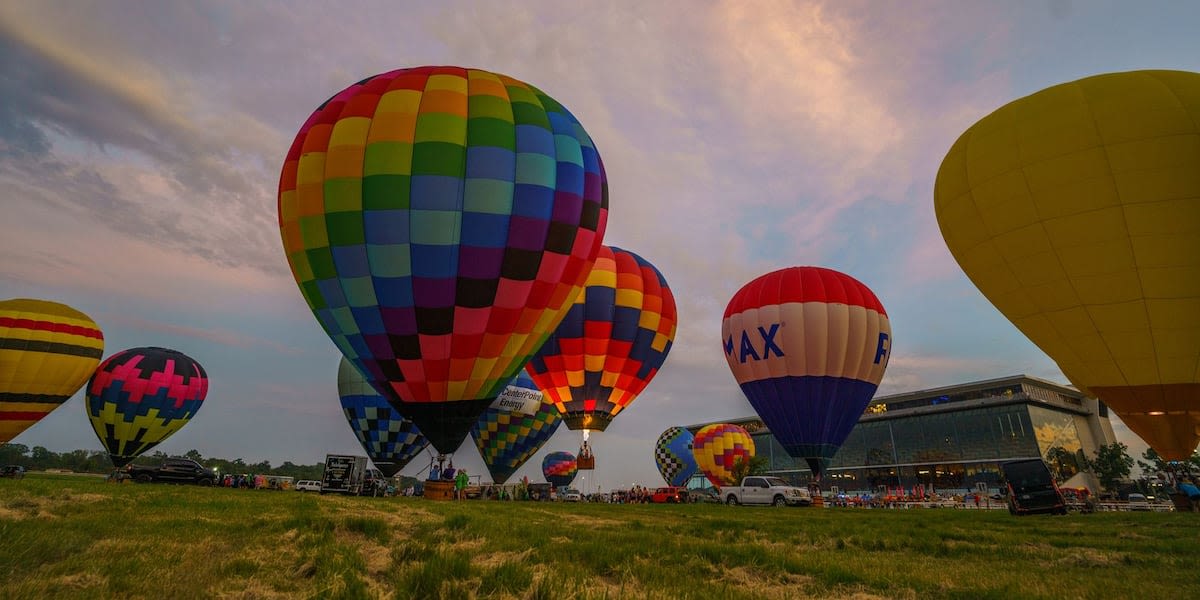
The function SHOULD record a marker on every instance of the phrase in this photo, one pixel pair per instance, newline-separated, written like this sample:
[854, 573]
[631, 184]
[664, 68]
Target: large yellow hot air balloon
[47, 351]
[1076, 211]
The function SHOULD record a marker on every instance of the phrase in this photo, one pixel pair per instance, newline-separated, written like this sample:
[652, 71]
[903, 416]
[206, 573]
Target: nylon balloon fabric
[47, 352]
[718, 448]
[808, 346]
[516, 425]
[1076, 211]
[673, 456]
[612, 342]
[559, 468]
[139, 397]
[390, 440]
[439, 222]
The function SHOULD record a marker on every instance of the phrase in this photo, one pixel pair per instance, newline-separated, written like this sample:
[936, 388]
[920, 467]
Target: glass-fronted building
[951, 439]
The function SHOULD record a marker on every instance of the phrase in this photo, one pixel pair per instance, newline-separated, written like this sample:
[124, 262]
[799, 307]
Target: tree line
[38, 458]
[1112, 465]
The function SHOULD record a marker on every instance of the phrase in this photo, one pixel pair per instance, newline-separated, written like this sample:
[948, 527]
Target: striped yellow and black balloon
[47, 351]
[139, 397]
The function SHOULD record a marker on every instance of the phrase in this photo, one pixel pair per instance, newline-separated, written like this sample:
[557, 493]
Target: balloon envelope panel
[390, 440]
[139, 397]
[440, 221]
[612, 342]
[559, 468]
[718, 448]
[673, 456]
[808, 346]
[47, 351]
[1076, 211]
[514, 427]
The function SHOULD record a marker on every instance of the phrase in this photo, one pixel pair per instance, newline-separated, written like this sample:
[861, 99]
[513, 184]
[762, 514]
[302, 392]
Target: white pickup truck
[766, 490]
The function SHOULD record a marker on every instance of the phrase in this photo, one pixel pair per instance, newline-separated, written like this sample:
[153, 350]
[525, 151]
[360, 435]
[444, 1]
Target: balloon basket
[818, 501]
[585, 463]
[439, 490]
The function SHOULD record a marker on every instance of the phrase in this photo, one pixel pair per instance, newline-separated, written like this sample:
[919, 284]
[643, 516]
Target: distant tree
[1153, 463]
[43, 458]
[14, 454]
[1111, 465]
[1063, 463]
[194, 455]
[757, 465]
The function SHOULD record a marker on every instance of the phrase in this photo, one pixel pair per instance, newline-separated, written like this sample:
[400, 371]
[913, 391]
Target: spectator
[435, 472]
[448, 472]
[460, 485]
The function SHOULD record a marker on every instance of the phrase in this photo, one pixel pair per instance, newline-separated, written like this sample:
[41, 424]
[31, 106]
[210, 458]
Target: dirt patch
[14, 515]
[574, 519]
[80, 581]
[471, 544]
[250, 589]
[494, 559]
[377, 558]
[859, 595]
[762, 585]
[1088, 557]
[85, 497]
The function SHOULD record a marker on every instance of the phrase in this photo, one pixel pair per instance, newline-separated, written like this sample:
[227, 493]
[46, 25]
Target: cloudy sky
[140, 148]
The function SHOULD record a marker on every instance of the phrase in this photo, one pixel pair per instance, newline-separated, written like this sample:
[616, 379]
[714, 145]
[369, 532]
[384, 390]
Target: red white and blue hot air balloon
[808, 346]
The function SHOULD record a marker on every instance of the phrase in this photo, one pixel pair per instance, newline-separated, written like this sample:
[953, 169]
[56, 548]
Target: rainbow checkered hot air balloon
[139, 397]
[673, 456]
[612, 342]
[440, 222]
[559, 468]
[390, 440]
[718, 448]
[809, 346]
[47, 351]
[514, 427]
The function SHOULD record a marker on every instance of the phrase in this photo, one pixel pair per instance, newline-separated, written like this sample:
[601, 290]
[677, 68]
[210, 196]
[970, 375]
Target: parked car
[766, 490]
[669, 495]
[172, 470]
[13, 472]
[570, 495]
[308, 485]
[1138, 502]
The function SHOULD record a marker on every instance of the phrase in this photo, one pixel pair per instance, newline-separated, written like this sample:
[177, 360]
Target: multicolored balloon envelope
[440, 222]
[809, 346]
[390, 440]
[139, 397]
[47, 351]
[514, 427]
[559, 468]
[612, 342]
[673, 456]
[718, 448]
[1076, 211]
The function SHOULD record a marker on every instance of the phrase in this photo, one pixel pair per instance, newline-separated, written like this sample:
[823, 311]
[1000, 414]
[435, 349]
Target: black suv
[1031, 488]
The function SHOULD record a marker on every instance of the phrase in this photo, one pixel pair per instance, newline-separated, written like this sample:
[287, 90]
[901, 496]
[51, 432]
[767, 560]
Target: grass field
[79, 537]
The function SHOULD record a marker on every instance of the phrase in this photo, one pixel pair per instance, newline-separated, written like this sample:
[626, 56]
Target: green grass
[79, 537]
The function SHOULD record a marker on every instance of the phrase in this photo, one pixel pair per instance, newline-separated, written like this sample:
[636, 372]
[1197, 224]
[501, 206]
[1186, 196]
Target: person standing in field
[460, 485]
